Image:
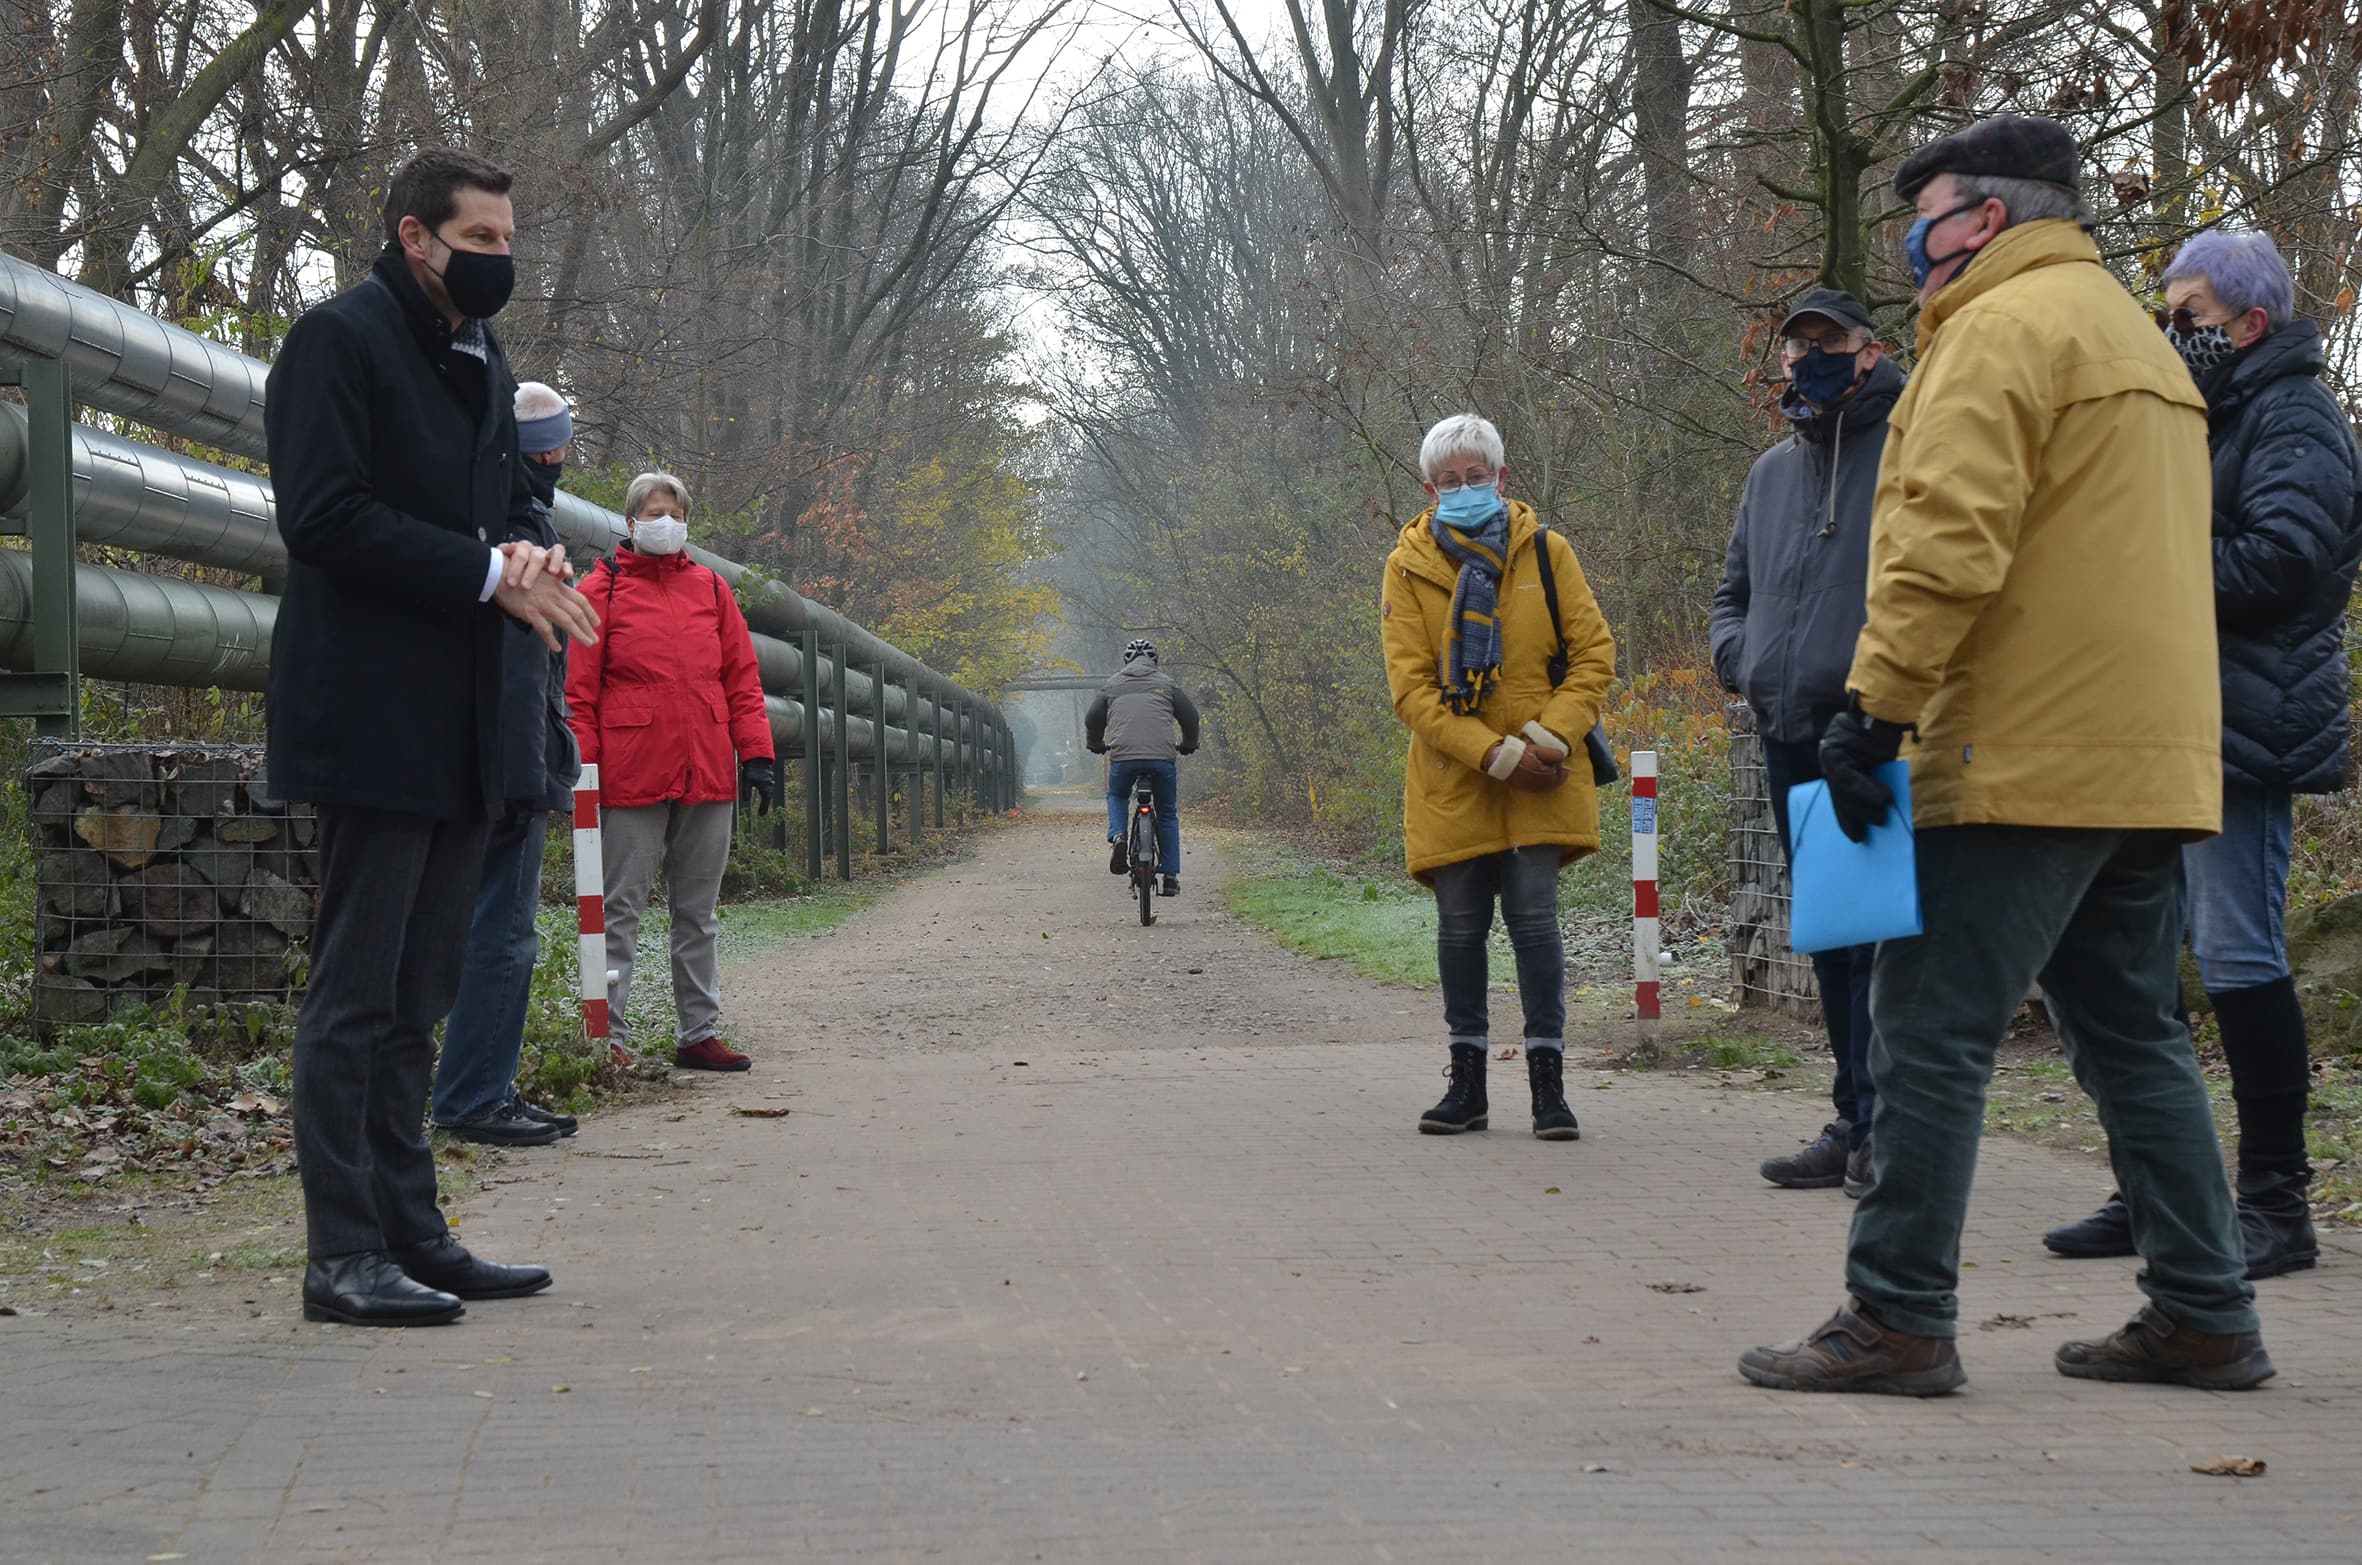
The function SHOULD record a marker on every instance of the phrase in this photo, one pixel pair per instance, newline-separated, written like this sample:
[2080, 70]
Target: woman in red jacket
[668, 706]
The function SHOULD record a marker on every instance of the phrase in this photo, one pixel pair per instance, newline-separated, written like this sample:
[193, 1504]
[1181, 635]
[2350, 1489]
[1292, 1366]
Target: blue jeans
[486, 1033]
[1843, 975]
[2235, 890]
[1164, 784]
[1526, 882]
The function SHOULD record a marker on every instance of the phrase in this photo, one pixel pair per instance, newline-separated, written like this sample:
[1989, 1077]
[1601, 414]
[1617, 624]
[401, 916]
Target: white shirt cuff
[491, 578]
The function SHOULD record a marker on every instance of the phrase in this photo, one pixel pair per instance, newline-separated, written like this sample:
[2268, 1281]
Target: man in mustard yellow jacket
[2041, 618]
[1498, 697]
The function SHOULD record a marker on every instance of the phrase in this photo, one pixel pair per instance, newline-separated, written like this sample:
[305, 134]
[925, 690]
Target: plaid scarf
[1471, 662]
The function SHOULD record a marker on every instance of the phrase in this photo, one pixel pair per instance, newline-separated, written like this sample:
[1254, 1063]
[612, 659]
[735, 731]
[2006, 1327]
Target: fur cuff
[1535, 733]
[1506, 759]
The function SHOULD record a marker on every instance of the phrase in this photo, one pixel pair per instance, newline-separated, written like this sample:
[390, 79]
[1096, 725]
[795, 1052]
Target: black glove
[759, 780]
[1853, 747]
[1185, 749]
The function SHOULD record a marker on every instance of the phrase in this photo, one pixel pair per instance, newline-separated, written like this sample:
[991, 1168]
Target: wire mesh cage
[1763, 969]
[164, 868]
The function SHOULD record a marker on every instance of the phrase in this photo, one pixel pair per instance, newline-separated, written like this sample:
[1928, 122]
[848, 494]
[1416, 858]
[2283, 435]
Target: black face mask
[478, 281]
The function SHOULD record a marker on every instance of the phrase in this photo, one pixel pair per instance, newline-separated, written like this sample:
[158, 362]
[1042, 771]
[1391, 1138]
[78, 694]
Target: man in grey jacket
[1131, 723]
[1786, 616]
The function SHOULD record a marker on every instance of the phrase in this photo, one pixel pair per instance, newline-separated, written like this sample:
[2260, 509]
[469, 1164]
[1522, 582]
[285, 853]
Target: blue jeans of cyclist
[1526, 882]
[486, 1032]
[1164, 783]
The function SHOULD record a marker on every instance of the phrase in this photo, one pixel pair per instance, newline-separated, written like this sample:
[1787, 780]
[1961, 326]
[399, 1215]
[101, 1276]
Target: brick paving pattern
[1182, 1286]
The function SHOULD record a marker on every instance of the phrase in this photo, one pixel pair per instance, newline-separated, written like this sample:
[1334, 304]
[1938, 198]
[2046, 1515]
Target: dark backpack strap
[1558, 659]
[1595, 747]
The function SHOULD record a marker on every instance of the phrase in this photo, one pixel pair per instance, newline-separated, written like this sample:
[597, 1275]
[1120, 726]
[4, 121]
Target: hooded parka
[2041, 601]
[1793, 580]
[668, 700]
[1451, 809]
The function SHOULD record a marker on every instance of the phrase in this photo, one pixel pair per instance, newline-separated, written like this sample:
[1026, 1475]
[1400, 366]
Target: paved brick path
[1183, 1286]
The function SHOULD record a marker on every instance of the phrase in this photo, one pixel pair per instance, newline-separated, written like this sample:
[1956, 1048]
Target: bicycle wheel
[1145, 885]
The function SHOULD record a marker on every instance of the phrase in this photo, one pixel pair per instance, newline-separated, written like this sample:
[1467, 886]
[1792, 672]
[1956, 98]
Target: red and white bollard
[1645, 968]
[590, 906]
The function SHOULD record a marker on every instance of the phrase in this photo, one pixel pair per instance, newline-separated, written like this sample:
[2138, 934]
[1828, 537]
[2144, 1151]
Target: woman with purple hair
[2286, 541]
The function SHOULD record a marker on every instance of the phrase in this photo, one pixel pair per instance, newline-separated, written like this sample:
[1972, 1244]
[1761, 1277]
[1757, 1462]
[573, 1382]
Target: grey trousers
[387, 949]
[691, 844]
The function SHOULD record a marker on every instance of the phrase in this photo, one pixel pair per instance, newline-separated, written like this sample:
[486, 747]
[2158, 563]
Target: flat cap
[2007, 146]
[1833, 304]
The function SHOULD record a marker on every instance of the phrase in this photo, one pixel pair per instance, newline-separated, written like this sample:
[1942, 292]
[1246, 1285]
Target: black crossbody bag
[1603, 760]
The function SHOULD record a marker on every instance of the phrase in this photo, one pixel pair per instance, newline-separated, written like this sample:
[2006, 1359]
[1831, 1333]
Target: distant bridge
[1058, 682]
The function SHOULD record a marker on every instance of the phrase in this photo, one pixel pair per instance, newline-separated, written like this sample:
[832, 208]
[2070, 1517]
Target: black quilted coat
[2287, 537]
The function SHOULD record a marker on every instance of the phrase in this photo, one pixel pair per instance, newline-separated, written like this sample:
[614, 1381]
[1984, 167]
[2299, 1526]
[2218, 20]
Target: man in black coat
[404, 505]
[1786, 616]
[2287, 537]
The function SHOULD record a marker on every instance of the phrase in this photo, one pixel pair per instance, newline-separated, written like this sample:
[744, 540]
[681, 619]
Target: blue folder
[1848, 893]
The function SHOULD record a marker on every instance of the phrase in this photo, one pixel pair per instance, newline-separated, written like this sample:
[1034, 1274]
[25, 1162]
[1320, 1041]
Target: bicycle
[1140, 848]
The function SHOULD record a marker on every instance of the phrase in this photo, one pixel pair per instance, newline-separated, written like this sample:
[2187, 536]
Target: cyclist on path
[1131, 723]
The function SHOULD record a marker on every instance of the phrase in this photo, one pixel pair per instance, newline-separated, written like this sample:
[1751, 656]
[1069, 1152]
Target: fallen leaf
[815, 1412]
[486, 1395]
[1507, 1053]
[758, 1111]
[2006, 1322]
[1550, 1190]
[1595, 1467]
[1676, 1287]
[2231, 1467]
[561, 1390]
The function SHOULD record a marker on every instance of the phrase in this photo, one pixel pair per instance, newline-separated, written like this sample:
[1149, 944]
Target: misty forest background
[1014, 328]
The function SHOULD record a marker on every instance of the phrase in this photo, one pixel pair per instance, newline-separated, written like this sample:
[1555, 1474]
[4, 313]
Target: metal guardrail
[832, 687]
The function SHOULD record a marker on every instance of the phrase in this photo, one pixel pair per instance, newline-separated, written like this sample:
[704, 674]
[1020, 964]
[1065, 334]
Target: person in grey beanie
[476, 1096]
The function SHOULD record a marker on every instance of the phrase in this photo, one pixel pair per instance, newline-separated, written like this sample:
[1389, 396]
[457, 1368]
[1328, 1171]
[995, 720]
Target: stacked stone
[166, 868]
[1765, 972]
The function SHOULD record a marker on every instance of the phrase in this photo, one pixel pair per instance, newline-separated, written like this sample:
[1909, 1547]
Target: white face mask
[660, 535]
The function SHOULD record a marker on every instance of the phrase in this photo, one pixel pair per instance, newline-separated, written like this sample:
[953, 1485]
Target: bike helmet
[1140, 647]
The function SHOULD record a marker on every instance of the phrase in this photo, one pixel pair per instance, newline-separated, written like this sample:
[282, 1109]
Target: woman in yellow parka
[1496, 801]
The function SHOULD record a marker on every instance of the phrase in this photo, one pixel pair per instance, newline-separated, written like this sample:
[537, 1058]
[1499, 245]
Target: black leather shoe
[367, 1289]
[506, 1126]
[566, 1123]
[1119, 862]
[2105, 1232]
[1170, 886]
[445, 1264]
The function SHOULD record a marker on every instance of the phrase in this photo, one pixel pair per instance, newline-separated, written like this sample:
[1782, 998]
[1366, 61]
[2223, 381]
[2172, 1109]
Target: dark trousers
[2092, 915]
[1843, 975]
[1525, 880]
[395, 895]
[477, 1070]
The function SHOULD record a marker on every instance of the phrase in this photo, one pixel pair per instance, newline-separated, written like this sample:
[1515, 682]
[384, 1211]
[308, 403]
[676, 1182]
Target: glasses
[1794, 348]
[2182, 321]
[1474, 480]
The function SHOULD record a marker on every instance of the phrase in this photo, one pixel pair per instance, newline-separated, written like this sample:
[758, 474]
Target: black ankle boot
[2276, 1223]
[1463, 1107]
[1545, 1073]
[2105, 1232]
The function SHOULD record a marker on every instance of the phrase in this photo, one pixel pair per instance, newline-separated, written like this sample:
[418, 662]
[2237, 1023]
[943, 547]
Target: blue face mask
[1823, 378]
[1923, 265]
[1467, 507]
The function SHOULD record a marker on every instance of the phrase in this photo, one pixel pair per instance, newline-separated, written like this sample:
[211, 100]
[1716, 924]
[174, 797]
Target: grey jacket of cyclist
[1132, 716]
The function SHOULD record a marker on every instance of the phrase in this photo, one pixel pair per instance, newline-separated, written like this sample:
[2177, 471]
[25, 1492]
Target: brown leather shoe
[2155, 1349]
[1851, 1352]
[709, 1054]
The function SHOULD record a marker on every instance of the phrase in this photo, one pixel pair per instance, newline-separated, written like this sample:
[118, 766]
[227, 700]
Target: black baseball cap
[1833, 304]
